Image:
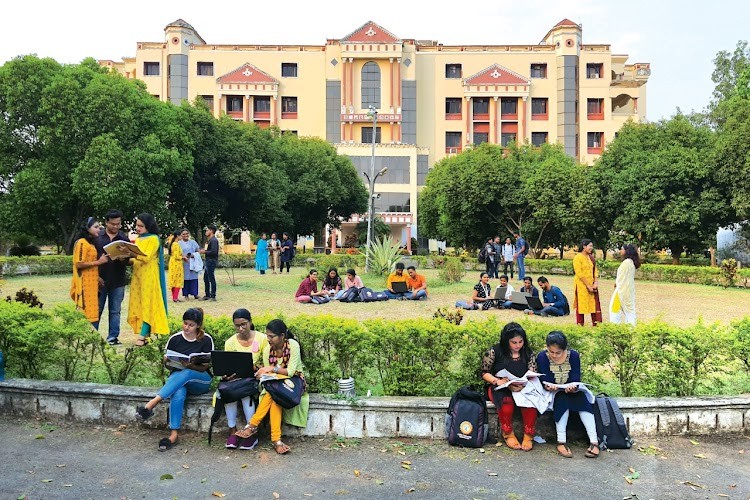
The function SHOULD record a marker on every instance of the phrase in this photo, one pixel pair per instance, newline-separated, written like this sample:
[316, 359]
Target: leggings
[505, 412]
[231, 410]
[588, 422]
[581, 319]
[268, 406]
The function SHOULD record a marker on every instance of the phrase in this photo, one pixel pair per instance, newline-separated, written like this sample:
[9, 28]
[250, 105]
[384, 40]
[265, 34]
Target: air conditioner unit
[452, 150]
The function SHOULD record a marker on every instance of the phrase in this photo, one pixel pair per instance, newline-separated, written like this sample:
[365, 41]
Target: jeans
[521, 267]
[549, 311]
[507, 304]
[393, 295]
[114, 297]
[209, 277]
[179, 384]
[422, 294]
[491, 268]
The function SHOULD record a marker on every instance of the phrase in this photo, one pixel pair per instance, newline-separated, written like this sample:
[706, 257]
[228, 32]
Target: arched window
[370, 85]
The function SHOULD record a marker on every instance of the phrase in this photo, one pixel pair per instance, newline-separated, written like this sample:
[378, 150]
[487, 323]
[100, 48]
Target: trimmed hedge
[39, 265]
[410, 357]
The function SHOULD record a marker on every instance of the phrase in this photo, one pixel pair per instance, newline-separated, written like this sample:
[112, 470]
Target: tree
[730, 72]
[660, 188]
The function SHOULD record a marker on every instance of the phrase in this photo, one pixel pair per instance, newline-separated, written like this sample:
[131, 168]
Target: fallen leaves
[165, 477]
[185, 466]
[218, 494]
[693, 485]
[694, 442]
[276, 495]
[357, 473]
[492, 474]
[634, 474]
[700, 455]
[243, 466]
[46, 480]
[406, 464]
[39, 436]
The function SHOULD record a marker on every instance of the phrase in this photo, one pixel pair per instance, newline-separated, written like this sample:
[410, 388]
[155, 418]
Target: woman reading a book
[147, 310]
[84, 288]
[282, 356]
[562, 367]
[247, 339]
[176, 271]
[187, 358]
[513, 354]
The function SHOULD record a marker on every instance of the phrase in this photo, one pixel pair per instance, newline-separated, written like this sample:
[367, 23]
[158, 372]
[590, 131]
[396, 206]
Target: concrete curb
[388, 416]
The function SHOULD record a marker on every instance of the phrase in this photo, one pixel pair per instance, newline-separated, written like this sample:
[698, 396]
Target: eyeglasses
[244, 324]
[271, 335]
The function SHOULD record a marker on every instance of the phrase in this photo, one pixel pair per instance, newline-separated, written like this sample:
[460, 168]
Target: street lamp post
[371, 178]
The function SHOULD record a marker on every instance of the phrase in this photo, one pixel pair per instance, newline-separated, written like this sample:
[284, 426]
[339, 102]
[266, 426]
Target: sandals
[511, 441]
[165, 444]
[528, 442]
[564, 451]
[281, 447]
[141, 341]
[142, 413]
[247, 431]
[590, 451]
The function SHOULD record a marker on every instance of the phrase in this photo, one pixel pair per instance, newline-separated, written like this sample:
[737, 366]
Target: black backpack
[466, 422]
[610, 424]
[351, 294]
[482, 257]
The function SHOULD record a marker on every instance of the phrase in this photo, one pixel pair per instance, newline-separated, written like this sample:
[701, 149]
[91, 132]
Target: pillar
[333, 241]
[408, 239]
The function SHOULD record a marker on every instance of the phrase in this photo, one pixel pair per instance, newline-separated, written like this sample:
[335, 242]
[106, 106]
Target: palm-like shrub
[383, 255]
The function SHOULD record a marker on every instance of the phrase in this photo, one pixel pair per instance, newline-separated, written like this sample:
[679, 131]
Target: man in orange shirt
[417, 284]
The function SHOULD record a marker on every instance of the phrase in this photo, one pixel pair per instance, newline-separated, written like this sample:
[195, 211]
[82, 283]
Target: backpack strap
[602, 404]
[218, 412]
[619, 419]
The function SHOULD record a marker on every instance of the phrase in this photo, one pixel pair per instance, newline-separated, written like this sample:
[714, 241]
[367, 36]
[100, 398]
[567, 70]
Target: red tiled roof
[247, 73]
[371, 32]
[496, 75]
[566, 22]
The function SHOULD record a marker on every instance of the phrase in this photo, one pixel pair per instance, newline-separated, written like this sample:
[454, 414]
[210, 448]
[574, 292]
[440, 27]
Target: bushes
[453, 271]
[403, 357]
[41, 265]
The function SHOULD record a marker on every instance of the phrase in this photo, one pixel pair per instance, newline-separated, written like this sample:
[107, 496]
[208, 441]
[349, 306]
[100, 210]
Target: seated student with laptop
[504, 302]
[518, 299]
[396, 286]
[555, 302]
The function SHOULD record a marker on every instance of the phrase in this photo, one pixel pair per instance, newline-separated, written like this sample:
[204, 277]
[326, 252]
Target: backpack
[350, 295]
[482, 257]
[369, 295]
[525, 247]
[466, 420]
[610, 424]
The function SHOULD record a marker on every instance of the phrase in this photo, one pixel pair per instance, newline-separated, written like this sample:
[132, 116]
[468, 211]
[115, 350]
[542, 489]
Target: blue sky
[680, 39]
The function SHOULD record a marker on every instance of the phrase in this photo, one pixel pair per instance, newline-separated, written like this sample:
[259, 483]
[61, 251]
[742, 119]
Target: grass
[675, 303]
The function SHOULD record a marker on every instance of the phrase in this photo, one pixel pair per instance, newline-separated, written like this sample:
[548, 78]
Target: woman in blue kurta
[261, 254]
[561, 365]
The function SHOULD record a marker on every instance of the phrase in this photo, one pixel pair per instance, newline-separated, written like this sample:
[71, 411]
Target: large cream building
[432, 100]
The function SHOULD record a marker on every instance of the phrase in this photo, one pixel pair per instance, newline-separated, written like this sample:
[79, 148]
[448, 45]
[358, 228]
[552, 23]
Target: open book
[174, 359]
[512, 379]
[120, 248]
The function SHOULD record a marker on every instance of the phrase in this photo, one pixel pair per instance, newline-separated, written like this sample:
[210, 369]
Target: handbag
[234, 390]
[287, 392]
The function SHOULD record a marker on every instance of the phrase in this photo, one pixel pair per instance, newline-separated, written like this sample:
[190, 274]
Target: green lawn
[679, 304]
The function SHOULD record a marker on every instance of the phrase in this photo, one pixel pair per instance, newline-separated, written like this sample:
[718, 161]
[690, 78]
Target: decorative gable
[496, 75]
[370, 32]
[247, 73]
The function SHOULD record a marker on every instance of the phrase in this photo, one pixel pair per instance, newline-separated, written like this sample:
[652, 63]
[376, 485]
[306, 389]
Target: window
[507, 137]
[261, 105]
[509, 106]
[453, 142]
[539, 108]
[453, 108]
[150, 69]
[538, 71]
[234, 104]
[481, 106]
[289, 70]
[538, 138]
[393, 202]
[209, 100]
[291, 132]
[453, 71]
[595, 109]
[480, 137]
[370, 85]
[289, 107]
[205, 69]
[367, 135]
[595, 142]
[594, 70]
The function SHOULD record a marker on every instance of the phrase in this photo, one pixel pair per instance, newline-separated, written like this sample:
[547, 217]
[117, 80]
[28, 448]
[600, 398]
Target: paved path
[77, 461]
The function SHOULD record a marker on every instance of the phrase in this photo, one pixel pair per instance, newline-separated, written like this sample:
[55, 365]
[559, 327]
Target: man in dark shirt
[211, 253]
[112, 275]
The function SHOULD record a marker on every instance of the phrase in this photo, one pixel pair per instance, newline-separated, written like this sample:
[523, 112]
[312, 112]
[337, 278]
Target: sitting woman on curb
[513, 354]
[247, 339]
[189, 378]
[308, 290]
[281, 356]
[561, 365]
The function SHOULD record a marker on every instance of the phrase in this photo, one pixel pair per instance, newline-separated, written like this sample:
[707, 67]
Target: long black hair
[632, 253]
[243, 313]
[149, 222]
[278, 327]
[84, 229]
[329, 282]
[510, 331]
[194, 314]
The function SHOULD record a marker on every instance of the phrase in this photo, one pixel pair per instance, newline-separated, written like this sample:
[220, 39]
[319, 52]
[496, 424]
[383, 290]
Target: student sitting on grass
[397, 276]
[190, 378]
[555, 302]
[308, 290]
[417, 284]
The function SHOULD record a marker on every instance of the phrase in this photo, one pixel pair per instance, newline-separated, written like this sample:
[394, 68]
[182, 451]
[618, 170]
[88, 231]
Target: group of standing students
[274, 252]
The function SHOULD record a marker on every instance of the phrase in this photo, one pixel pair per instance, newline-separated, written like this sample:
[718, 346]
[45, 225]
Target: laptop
[535, 303]
[519, 298]
[399, 287]
[229, 362]
[500, 292]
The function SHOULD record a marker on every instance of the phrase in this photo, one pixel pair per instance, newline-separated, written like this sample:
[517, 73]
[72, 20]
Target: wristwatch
[276, 369]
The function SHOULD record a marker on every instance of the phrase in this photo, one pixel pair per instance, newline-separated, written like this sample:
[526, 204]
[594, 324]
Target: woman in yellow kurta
[176, 272]
[622, 305]
[147, 311]
[84, 289]
[586, 286]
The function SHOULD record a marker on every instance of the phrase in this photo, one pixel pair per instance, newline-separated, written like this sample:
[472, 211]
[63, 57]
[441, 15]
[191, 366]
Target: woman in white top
[622, 304]
[508, 252]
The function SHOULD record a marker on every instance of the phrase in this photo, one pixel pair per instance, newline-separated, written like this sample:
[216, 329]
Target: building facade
[432, 100]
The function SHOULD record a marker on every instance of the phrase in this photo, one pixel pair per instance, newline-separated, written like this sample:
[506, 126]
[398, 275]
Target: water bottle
[2, 366]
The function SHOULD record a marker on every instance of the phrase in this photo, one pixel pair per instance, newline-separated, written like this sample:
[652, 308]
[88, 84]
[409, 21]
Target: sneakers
[142, 413]
[232, 441]
[114, 341]
[248, 443]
